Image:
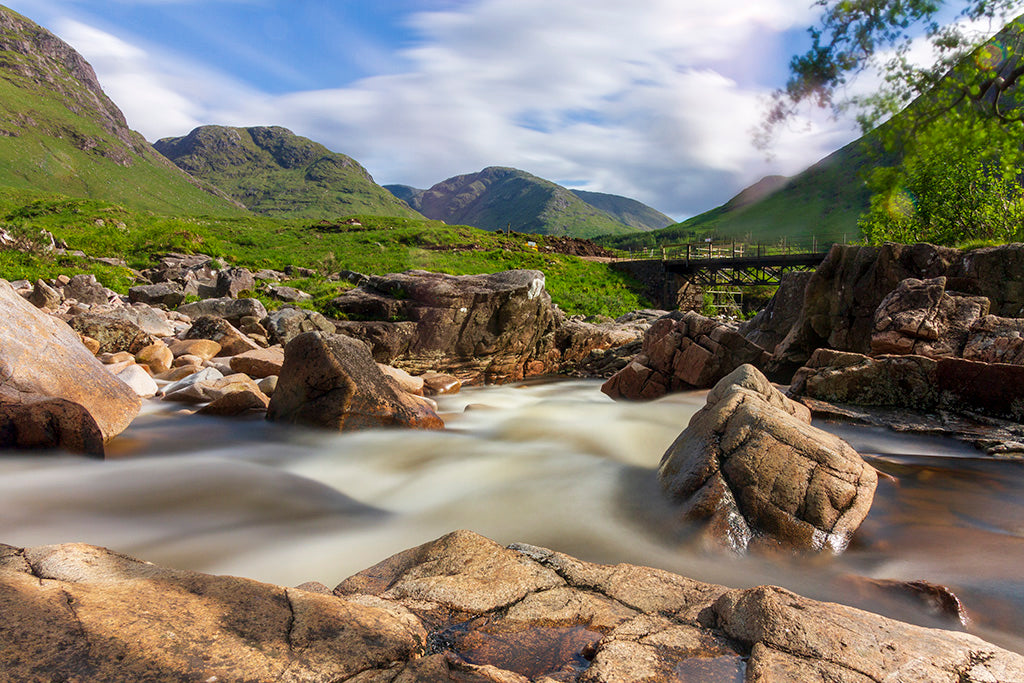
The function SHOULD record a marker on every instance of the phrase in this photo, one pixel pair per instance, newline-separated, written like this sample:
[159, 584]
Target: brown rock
[91, 344]
[204, 349]
[236, 403]
[260, 363]
[895, 381]
[996, 340]
[770, 326]
[682, 351]
[41, 357]
[750, 464]
[113, 334]
[920, 317]
[45, 296]
[287, 323]
[405, 381]
[231, 340]
[436, 384]
[85, 289]
[48, 423]
[332, 381]
[212, 389]
[157, 356]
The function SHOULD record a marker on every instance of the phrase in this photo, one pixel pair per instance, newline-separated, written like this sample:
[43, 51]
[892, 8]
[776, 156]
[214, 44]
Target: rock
[682, 351]
[169, 294]
[268, 385]
[86, 290]
[770, 326]
[461, 608]
[113, 334]
[231, 340]
[259, 363]
[120, 357]
[750, 465]
[605, 364]
[157, 356]
[920, 317]
[286, 323]
[231, 282]
[232, 310]
[45, 296]
[38, 422]
[236, 403]
[436, 384]
[492, 328]
[180, 372]
[91, 344]
[404, 381]
[204, 375]
[289, 294]
[150, 320]
[996, 340]
[332, 381]
[575, 340]
[995, 389]
[894, 381]
[207, 390]
[42, 358]
[140, 381]
[204, 349]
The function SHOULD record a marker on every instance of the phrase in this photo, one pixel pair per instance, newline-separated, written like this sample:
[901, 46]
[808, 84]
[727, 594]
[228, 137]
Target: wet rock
[403, 380]
[682, 351]
[232, 310]
[42, 358]
[259, 363]
[492, 328]
[204, 375]
[893, 381]
[113, 334]
[576, 340]
[285, 324]
[236, 403]
[770, 326]
[995, 389]
[605, 364]
[437, 383]
[38, 422]
[332, 381]
[169, 294]
[211, 389]
[921, 317]
[750, 466]
[232, 341]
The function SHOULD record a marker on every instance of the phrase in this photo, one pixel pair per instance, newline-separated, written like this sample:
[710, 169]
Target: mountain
[275, 172]
[60, 133]
[404, 192]
[497, 198]
[631, 212]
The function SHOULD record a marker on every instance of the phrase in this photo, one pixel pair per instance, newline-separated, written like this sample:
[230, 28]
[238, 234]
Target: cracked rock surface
[752, 467]
[461, 608]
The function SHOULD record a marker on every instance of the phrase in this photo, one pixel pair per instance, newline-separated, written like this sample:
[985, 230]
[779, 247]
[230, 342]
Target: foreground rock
[43, 360]
[682, 351]
[332, 381]
[752, 469]
[461, 608]
[492, 328]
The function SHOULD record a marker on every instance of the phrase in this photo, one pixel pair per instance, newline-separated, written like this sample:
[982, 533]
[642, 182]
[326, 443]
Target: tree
[949, 144]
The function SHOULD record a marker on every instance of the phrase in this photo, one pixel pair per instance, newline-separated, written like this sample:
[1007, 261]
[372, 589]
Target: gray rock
[232, 310]
[167, 294]
[86, 290]
[286, 323]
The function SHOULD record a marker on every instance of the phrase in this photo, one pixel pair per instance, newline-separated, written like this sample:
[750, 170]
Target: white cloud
[642, 100]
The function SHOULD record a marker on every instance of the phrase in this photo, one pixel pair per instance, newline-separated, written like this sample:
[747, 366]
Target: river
[555, 464]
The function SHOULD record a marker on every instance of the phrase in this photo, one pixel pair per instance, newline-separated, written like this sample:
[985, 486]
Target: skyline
[654, 102]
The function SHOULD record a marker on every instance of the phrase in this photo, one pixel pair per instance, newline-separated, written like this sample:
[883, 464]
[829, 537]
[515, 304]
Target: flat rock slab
[461, 608]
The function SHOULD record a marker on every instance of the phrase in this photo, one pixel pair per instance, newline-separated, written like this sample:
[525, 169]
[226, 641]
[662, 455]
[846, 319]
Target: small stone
[114, 358]
[139, 380]
[260, 363]
[268, 385]
[157, 356]
[204, 349]
[436, 384]
[236, 403]
[90, 343]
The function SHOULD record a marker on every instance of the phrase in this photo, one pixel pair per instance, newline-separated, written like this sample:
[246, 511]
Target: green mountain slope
[60, 133]
[274, 172]
[631, 212]
[497, 197]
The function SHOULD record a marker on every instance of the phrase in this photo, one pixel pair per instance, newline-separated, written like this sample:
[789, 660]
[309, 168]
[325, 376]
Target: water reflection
[556, 465]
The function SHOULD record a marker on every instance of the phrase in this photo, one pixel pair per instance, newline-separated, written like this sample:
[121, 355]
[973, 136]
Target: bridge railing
[722, 249]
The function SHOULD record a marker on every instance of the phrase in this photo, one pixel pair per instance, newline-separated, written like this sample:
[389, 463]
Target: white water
[556, 464]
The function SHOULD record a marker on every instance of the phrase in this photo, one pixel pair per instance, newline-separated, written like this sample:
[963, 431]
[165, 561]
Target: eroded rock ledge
[461, 608]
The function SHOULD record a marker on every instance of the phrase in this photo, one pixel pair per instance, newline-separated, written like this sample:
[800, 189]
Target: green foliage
[366, 244]
[958, 182]
[707, 306]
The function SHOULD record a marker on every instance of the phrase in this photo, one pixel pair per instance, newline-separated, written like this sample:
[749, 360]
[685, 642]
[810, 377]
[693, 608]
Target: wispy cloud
[651, 100]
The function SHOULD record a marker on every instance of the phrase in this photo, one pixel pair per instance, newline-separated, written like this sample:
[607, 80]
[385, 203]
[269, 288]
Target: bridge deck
[696, 265]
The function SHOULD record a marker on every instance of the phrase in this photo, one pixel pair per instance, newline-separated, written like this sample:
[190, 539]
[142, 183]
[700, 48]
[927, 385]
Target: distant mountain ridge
[630, 211]
[275, 172]
[499, 197]
[60, 133]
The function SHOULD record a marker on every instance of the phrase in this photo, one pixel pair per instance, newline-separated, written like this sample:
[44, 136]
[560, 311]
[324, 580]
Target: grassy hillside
[274, 172]
[60, 133]
[367, 244]
[631, 212]
[496, 198]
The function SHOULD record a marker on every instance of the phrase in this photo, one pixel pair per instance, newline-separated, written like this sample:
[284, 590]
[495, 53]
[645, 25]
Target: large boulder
[287, 323]
[231, 282]
[169, 294]
[461, 608]
[921, 317]
[113, 333]
[42, 358]
[332, 381]
[770, 326]
[993, 339]
[230, 338]
[85, 289]
[493, 328]
[683, 351]
[232, 310]
[750, 466]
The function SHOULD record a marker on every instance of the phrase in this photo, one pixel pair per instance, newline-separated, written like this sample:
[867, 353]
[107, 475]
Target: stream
[555, 464]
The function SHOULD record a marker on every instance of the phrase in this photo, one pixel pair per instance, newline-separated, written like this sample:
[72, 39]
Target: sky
[650, 99]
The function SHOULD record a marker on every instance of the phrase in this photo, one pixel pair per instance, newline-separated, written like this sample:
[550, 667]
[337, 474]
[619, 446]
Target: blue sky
[652, 99]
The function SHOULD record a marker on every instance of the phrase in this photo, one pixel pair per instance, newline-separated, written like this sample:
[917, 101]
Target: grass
[368, 244]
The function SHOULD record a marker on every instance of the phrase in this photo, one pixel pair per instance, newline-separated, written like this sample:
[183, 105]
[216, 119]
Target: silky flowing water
[554, 464]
